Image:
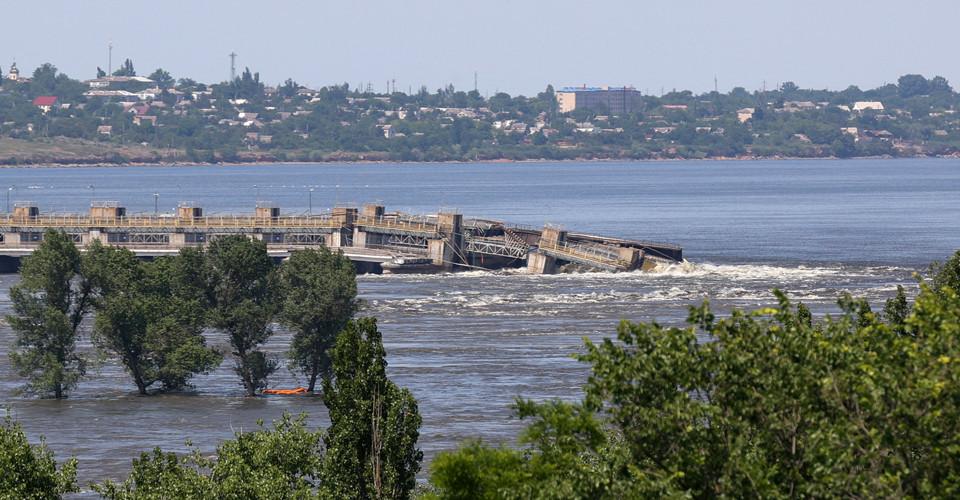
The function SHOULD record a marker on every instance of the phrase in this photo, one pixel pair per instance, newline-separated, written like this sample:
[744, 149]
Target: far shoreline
[260, 163]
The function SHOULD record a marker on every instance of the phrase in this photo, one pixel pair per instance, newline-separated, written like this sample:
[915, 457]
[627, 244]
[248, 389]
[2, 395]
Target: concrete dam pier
[374, 239]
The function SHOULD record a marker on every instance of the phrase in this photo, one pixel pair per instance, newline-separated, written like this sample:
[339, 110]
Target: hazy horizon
[517, 48]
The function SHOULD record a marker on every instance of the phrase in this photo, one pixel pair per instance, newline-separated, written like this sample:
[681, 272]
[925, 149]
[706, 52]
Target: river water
[467, 343]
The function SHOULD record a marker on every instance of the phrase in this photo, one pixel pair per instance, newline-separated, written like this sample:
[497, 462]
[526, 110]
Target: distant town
[120, 117]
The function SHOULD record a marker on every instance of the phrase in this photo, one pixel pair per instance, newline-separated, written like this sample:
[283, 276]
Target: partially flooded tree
[374, 425]
[49, 305]
[150, 316]
[241, 289]
[319, 297]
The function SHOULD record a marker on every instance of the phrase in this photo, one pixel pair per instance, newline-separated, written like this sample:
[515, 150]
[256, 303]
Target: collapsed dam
[374, 239]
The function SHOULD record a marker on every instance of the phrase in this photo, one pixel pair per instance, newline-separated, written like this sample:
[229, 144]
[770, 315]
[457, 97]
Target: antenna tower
[109, 58]
[233, 66]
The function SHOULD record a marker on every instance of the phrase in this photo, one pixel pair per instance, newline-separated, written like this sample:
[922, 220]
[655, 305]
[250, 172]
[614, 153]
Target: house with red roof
[45, 102]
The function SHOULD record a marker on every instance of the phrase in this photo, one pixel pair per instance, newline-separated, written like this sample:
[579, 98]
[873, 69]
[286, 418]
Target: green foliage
[339, 123]
[477, 471]
[374, 425]
[150, 315]
[163, 78]
[125, 69]
[759, 404]
[946, 274]
[48, 305]
[319, 290]
[30, 472]
[242, 293]
[282, 462]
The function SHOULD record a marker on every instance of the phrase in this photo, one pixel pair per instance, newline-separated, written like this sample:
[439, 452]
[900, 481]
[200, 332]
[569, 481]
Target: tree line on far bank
[150, 316]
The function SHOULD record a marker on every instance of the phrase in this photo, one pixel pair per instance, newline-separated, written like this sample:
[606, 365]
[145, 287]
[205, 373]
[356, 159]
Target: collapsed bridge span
[376, 240]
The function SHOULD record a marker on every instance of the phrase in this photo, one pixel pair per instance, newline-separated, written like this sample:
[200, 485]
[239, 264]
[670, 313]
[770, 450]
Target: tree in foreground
[774, 405]
[241, 289]
[369, 451]
[150, 315]
[48, 305]
[374, 425]
[319, 296]
[280, 462]
[30, 472]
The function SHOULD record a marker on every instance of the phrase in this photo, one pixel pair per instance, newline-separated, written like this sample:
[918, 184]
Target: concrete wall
[538, 263]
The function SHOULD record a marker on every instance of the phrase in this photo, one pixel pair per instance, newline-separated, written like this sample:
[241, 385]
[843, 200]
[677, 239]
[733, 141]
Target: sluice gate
[375, 239]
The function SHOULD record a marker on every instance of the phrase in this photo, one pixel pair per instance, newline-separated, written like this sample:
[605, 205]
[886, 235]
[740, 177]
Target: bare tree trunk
[376, 444]
[314, 372]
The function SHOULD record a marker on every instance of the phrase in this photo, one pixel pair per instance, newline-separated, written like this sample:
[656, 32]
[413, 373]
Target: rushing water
[466, 344]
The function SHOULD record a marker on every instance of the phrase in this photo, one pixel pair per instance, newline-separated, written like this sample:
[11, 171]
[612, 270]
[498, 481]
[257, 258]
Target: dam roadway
[375, 240]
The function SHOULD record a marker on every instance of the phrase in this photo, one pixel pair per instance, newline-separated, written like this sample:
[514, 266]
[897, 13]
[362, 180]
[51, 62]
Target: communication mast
[233, 66]
[109, 58]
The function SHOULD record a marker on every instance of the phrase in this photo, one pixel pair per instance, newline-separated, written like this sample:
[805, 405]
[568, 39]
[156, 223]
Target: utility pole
[475, 81]
[716, 87]
[233, 66]
[109, 58]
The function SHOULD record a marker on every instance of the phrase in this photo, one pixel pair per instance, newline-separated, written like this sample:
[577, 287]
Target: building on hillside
[745, 114]
[861, 106]
[45, 102]
[606, 100]
[14, 74]
[106, 82]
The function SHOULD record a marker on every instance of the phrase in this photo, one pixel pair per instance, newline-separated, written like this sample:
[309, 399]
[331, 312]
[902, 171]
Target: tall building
[612, 100]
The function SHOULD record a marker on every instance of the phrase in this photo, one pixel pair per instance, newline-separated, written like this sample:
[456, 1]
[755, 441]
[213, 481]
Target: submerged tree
[374, 425]
[150, 315]
[319, 297]
[28, 472]
[49, 304]
[241, 289]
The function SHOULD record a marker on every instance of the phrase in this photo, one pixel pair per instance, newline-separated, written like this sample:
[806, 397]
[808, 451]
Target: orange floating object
[286, 392]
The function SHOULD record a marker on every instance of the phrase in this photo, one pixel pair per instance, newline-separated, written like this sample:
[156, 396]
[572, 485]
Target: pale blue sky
[515, 46]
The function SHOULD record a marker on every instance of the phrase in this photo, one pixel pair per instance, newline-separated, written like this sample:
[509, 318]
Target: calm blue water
[877, 211]
[466, 344]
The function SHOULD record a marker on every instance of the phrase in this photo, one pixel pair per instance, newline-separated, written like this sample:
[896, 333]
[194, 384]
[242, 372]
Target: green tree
[319, 296]
[946, 274]
[845, 146]
[49, 304]
[150, 316]
[242, 292]
[371, 445]
[282, 462]
[912, 85]
[125, 69]
[163, 78]
[30, 472]
[774, 405]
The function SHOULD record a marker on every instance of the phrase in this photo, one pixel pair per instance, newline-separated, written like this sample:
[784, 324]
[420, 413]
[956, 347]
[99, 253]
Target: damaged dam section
[376, 241]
